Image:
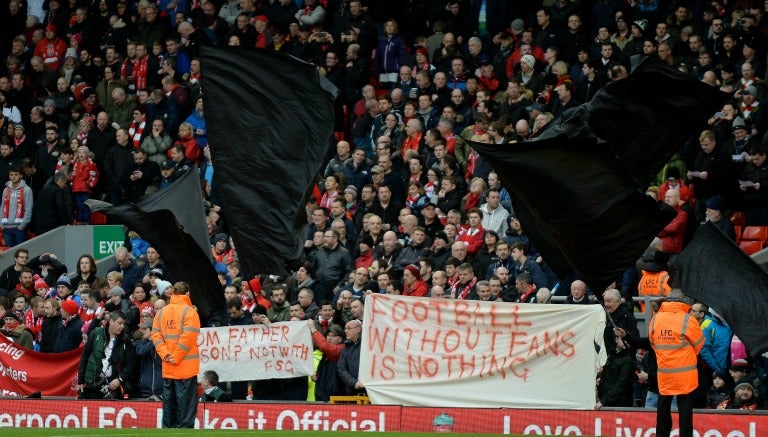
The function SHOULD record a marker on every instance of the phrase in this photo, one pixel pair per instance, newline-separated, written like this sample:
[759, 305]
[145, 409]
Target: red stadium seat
[750, 246]
[738, 230]
[757, 233]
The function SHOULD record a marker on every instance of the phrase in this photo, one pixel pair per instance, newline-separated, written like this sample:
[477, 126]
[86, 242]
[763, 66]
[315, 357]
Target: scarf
[135, 131]
[83, 137]
[463, 292]
[747, 110]
[18, 141]
[140, 70]
[18, 192]
[473, 200]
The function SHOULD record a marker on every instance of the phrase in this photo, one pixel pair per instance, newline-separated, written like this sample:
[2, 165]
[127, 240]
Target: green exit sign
[106, 239]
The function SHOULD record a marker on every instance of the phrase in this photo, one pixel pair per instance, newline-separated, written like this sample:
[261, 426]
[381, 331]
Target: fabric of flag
[270, 119]
[156, 218]
[579, 186]
[715, 271]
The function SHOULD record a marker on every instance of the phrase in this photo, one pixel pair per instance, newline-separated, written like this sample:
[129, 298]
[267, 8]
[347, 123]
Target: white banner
[443, 353]
[244, 353]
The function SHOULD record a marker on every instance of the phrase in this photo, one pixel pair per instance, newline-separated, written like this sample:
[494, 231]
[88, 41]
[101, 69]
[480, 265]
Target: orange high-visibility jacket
[654, 284]
[676, 338]
[174, 332]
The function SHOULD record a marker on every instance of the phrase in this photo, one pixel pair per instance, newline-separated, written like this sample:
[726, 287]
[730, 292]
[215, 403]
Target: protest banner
[240, 353]
[429, 352]
[24, 371]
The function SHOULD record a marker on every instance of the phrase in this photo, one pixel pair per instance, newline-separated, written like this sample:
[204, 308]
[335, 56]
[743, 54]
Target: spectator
[18, 203]
[211, 391]
[69, 334]
[149, 363]
[107, 361]
[349, 360]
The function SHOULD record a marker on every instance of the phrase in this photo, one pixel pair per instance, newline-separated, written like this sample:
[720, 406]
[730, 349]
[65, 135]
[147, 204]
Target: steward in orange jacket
[676, 337]
[174, 333]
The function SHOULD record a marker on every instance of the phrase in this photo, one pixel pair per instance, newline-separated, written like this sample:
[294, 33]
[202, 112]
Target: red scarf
[17, 141]
[83, 137]
[135, 131]
[473, 200]
[140, 69]
[19, 204]
[462, 293]
[34, 324]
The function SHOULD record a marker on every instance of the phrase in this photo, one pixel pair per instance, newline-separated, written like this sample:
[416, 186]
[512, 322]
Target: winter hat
[148, 311]
[116, 291]
[743, 383]
[64, 280]
[70, 306]
[414, 269]
[40, 283]
[749, 91]
[673, 173]
[641, 24]
[529, 59]
[12, 315]
[49, 102]
[442, 235]
[422, 50]
[50, 27]
[738, 123]
[740, 364]
[70, 53]
[156, 272]
[162, 286]
[717, 203]
[351, 189]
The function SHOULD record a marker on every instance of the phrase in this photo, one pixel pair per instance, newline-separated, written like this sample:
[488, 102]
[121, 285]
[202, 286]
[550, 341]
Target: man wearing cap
[118, 301]
[677, 340]
[413, 284]
[166, 173]
[750, 105]
[70, 335]
[715, 213]
[16, 331]
[149, 363]
[327, 382]
[219, 250]
[107, 360]
[174, 332]
[51, 49]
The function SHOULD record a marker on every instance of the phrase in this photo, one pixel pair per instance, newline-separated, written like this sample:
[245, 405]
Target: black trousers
[685, 415]
[179, 402]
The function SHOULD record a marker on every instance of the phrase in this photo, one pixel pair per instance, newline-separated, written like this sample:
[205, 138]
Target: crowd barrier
[53, 413]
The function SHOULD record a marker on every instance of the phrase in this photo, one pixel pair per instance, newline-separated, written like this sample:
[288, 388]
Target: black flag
[715, 271]
[178, 243]
[269, 118]
[581, 196]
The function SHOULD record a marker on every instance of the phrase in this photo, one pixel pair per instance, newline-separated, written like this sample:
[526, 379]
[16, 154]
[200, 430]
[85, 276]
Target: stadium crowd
[102, 99]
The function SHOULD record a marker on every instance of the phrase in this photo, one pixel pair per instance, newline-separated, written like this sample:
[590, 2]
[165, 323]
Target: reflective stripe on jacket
[174, 332]
[676, 338]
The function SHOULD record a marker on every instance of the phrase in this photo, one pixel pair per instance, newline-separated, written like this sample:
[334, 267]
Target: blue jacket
[390, 54]
[717, 343]
[150, 368]
[70, 335]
